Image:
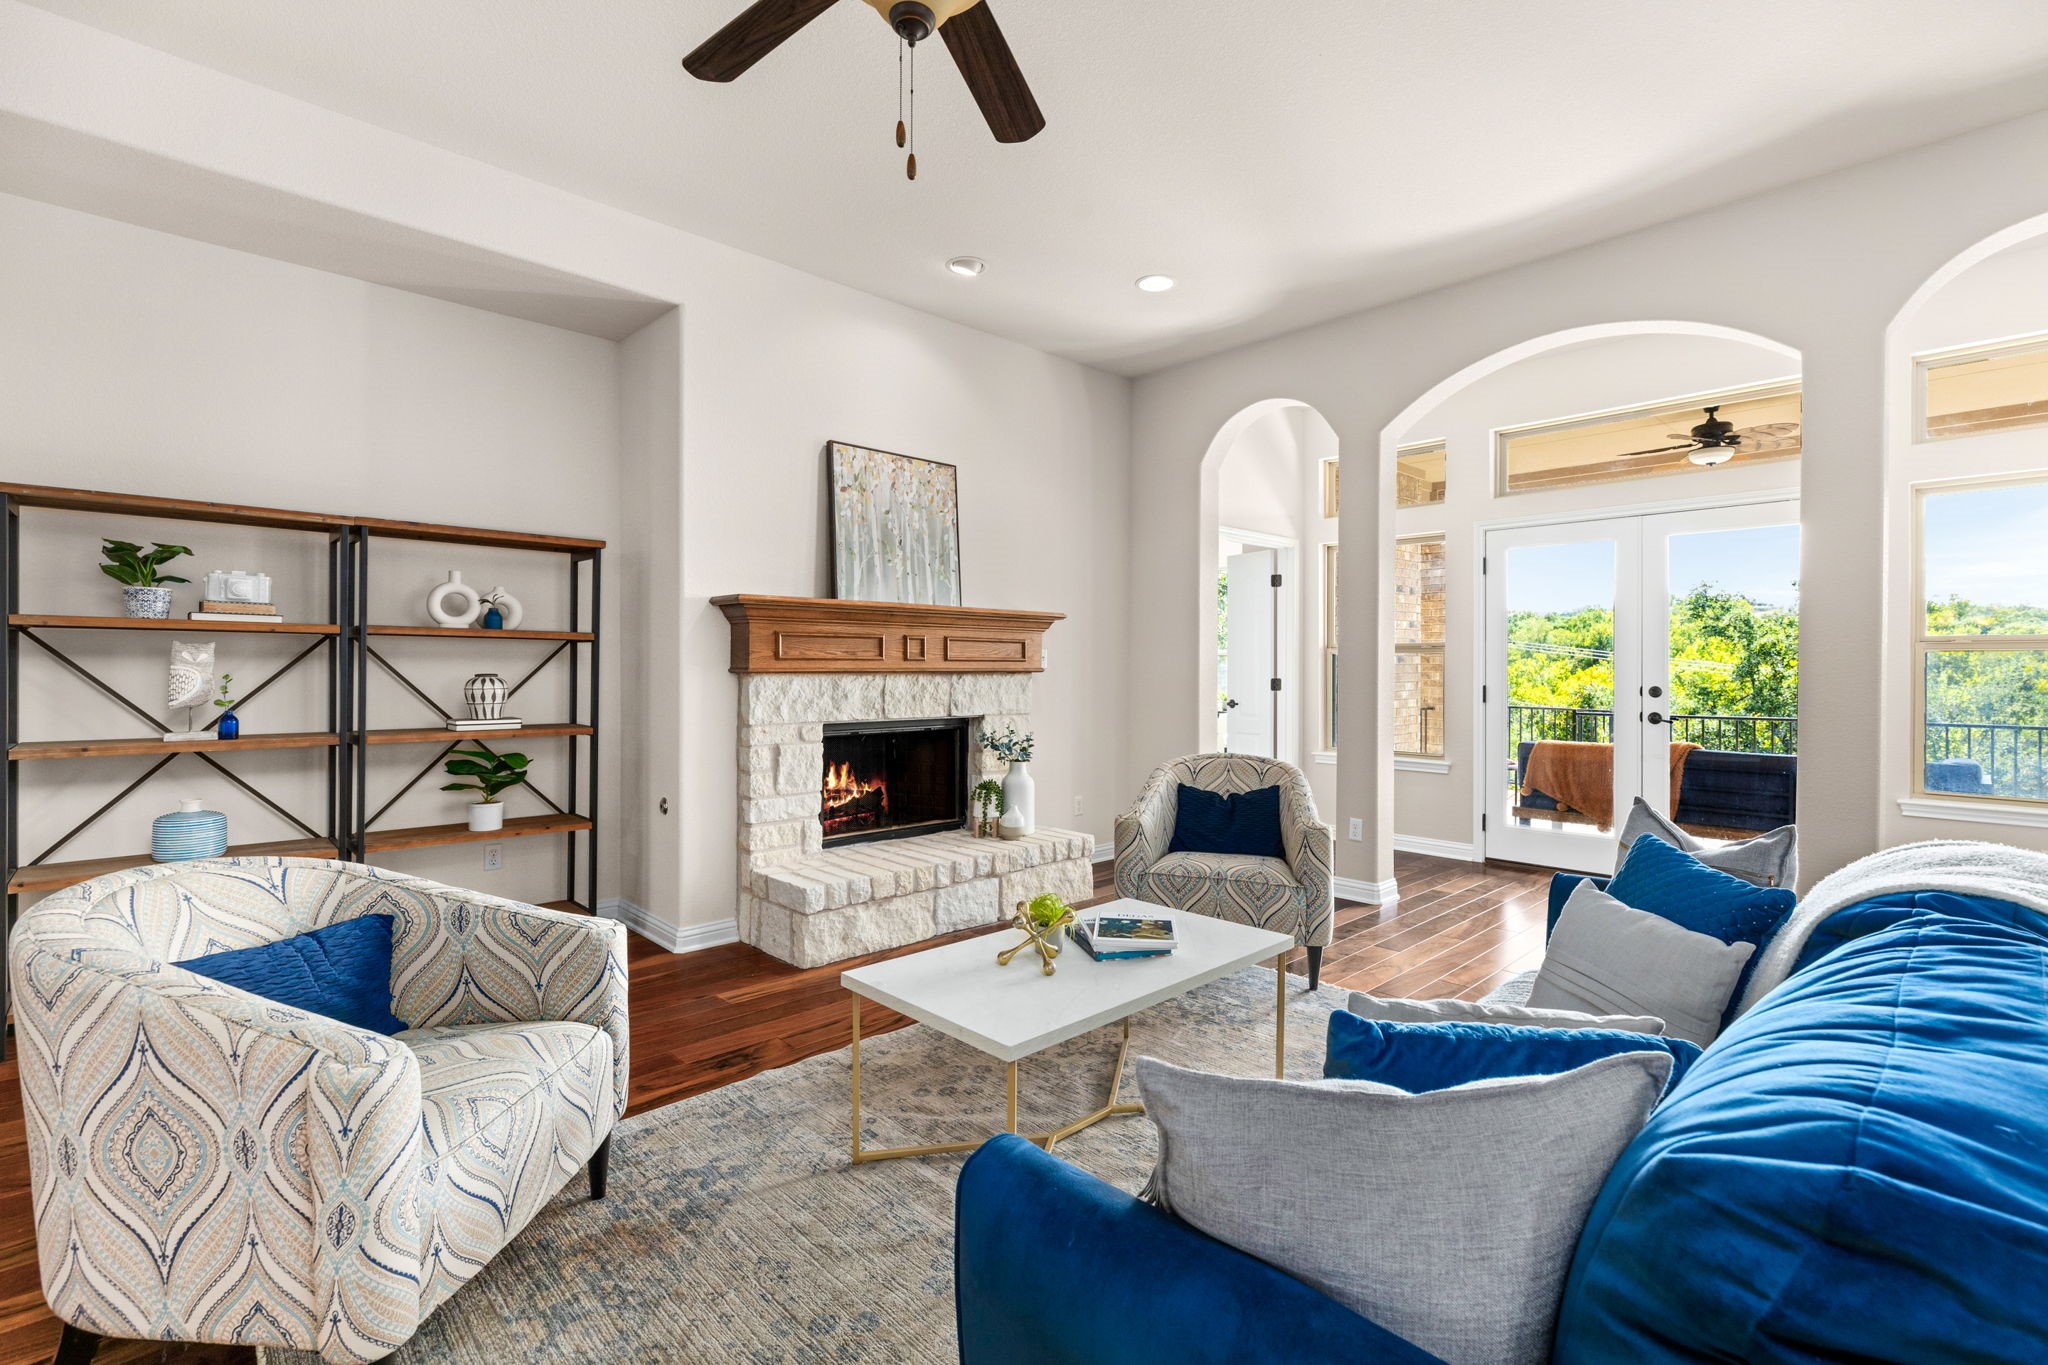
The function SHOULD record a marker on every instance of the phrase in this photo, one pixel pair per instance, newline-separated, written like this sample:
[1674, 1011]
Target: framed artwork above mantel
[895, 526]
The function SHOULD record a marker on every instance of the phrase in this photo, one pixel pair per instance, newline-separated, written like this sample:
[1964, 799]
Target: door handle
[1658, 718]
[1230, 705]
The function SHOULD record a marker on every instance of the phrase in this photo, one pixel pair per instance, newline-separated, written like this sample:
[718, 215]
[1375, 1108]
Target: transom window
[1983, 640]
[1984, 388]
[1419, 474]
[1647, 442]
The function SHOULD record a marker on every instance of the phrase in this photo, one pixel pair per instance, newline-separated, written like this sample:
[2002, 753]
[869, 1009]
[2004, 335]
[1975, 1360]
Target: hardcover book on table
[1152, 934]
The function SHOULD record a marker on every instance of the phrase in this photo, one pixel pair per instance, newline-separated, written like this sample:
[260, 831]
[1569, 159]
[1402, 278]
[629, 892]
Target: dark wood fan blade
[990, 70]
[761, 28]
[1660, 450]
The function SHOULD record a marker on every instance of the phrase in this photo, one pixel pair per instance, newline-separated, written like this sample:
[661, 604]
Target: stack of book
[1118, 934]
[501, 723]
[234, 611]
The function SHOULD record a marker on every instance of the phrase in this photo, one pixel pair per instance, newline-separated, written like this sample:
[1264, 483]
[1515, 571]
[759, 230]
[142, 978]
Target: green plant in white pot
[491, 775]
[143, 594]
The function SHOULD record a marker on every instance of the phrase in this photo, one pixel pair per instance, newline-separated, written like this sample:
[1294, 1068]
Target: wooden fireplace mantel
[825, 635]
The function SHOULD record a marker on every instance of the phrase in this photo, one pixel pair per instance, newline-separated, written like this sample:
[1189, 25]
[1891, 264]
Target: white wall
[1592, 376]
[1820, 266]
[770, 364]
[140, 362]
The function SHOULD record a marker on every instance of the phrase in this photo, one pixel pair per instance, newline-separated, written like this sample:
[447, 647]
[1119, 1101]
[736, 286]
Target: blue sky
[1760, 564]
[1987, 544]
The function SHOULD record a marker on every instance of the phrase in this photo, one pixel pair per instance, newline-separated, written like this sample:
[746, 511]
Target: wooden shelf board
[46, 877]
[189, 627]
[435, 836]
[469, 535]
[176, 509]
[472, 633]
[130, 748]
[435, 734]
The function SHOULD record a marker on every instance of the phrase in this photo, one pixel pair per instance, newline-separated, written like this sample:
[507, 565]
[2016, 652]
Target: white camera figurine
[237, 585]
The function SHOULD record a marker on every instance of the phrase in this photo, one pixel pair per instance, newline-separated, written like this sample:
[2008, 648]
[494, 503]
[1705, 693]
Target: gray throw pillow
[1770, 859]
[1608, 958]
[1405, 1207]
[1484, 1012]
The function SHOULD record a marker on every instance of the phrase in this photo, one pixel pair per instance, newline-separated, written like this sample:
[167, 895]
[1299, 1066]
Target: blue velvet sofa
[1856, 1170]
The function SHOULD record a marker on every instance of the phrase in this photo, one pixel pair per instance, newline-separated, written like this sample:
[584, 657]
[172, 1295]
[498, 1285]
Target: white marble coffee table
[1012, 1012]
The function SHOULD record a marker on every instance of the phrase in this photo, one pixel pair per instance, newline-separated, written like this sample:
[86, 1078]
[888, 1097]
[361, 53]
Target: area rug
[735, 1228]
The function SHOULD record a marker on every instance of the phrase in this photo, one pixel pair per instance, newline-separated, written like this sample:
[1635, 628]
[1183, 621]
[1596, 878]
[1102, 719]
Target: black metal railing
[2014, 758]
[1742, 734]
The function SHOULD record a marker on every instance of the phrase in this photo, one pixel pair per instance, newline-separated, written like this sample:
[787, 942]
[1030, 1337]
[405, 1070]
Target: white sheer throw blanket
[1963, 867]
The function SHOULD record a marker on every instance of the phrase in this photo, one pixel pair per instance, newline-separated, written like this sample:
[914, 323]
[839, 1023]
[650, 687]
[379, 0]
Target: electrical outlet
[494, 856]
[1357, 829]
[1080, 807]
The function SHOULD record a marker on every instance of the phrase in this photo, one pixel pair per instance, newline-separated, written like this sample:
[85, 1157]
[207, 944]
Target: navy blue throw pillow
[1673, 884]
[342, 971]
[1247, 823]
[1419, 1058]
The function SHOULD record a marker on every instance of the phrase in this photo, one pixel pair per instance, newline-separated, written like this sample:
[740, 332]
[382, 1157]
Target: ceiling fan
[1716, 441]
[968, 26]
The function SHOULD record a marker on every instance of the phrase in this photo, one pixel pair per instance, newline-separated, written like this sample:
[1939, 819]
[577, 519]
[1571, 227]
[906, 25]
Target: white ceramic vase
[455, 591]
[485, 695]
[1019, 796]
[485, 816]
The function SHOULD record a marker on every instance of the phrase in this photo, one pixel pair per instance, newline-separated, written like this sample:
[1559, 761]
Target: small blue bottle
[494, 619]
[230, 725]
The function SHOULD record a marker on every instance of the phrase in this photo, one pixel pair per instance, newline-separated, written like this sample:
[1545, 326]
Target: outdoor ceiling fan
[1715, 441]
[968, 26]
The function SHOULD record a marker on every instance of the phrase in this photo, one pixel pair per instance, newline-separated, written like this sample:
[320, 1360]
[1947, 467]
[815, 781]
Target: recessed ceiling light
[1155, 284]
[970, 266]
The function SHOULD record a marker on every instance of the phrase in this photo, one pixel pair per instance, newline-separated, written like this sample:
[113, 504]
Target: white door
[1610, 641]
[1252, 635]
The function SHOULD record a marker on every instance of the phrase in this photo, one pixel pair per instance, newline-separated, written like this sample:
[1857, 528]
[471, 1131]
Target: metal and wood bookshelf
[347, 643]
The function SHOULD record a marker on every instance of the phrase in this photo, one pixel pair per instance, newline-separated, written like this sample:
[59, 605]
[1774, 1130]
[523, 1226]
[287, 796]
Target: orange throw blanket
[1580, 777]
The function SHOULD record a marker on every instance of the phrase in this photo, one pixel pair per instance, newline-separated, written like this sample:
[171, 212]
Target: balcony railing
[2014, 757]
[1743, 734]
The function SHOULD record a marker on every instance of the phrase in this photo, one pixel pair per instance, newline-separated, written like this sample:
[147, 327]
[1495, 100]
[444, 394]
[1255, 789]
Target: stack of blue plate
[188, 832]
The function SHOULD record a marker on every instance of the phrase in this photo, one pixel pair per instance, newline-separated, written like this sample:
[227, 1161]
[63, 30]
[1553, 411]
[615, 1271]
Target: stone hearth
[809, 906]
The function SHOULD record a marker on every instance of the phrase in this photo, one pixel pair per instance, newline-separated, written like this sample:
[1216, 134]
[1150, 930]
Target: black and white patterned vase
[485, 694]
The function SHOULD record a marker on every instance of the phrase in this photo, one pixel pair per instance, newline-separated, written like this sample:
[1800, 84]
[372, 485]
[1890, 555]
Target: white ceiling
[1286, 163]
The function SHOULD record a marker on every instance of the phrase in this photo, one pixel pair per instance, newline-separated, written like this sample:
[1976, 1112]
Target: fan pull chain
[910, 166]
[899, 93]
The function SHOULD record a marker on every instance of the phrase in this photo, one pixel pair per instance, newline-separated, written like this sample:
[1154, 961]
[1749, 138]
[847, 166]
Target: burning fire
[844, 788]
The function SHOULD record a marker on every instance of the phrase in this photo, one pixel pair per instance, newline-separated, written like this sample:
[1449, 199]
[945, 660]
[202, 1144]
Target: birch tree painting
[895, 527]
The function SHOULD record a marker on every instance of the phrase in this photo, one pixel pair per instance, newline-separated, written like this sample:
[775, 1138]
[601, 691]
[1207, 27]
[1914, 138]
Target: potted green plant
[490, 774]
[987, 797]
[143, 594]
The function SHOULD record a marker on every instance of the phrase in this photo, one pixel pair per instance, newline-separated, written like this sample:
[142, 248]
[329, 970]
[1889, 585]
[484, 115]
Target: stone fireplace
[859, 739]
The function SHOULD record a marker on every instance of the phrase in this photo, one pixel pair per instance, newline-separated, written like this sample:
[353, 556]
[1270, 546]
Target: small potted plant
[489, 774]
[143, 594]
[1041, 919]
[987, 797]
[230, 724]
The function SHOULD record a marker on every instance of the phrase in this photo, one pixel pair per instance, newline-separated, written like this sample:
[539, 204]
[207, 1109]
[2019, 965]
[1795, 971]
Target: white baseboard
[1104, 851]
[1371, 893]
[685, 939]
[1438, 848]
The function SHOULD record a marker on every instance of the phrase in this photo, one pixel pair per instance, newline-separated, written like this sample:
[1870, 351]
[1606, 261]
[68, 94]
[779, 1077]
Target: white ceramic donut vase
[437, 602]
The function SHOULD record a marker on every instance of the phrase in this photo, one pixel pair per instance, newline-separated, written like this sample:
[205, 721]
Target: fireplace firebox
[893, 779]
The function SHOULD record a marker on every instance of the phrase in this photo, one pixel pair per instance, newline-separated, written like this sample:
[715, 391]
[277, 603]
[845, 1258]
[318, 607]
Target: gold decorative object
[1045, 937]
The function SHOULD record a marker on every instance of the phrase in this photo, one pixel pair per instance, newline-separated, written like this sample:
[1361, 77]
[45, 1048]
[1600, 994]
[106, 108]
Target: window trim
[1425, 649]
[1777, 388]
[1925, 644]
[1330, 471]
[1327, 671]
[1927, 361]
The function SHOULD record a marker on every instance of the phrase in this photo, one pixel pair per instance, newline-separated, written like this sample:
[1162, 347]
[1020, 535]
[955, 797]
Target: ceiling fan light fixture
[968, 266]
[1155, 284]
[1709, 456]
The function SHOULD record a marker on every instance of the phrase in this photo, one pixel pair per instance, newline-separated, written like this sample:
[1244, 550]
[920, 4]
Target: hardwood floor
[706, 1019]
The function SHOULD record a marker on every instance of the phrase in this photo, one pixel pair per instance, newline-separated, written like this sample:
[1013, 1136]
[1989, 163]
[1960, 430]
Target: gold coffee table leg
[1110, 1107]
[1280, 1020]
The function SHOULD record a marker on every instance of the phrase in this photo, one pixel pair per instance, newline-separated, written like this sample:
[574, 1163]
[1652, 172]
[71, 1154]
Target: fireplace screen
[890, 779]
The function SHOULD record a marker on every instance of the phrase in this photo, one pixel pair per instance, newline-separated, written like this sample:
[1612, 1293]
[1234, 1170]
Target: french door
[1652, 656]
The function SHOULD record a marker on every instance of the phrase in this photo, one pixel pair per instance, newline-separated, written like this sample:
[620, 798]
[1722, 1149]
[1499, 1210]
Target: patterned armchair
[1291, 895]
[208, 1165]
